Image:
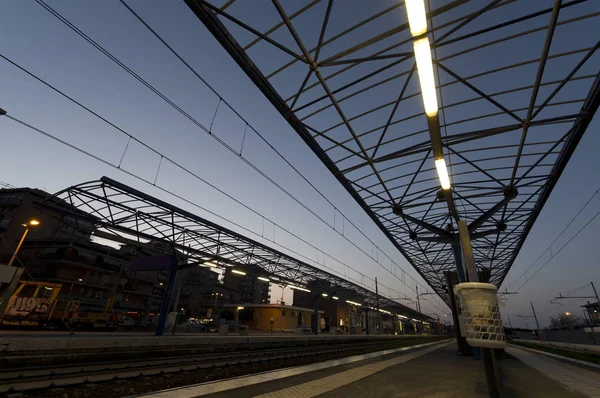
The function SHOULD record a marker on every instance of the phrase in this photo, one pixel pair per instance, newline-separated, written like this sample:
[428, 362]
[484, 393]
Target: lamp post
[31, 223]
[281, 309]
[215, 306]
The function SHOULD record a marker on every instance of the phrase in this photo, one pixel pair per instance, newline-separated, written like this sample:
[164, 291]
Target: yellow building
[285, 317]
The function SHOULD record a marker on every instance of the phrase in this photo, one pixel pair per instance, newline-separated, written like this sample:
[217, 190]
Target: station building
[285, 318]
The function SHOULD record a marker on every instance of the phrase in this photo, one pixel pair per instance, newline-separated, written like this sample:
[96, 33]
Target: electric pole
[378, 312]
[418, 301]
[536, 321]
[532, 316]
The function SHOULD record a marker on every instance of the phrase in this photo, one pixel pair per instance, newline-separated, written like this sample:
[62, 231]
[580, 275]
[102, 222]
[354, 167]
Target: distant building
[91, 272]
[202, 295]
[354, 319]
[337, 314]
[17, 208]
[285, 318]
[251, 289]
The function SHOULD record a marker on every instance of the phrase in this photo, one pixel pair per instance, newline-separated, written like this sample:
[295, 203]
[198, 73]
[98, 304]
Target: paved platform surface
[431, 370]
[585, 380]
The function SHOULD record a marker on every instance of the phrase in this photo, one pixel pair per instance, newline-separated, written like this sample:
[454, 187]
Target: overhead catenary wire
[559, 250]
[208, 130]
[570, 291]
[6, 185]
[549, 249]
[279, 154]
[543, 310]
[507, 246]
[149, 182]
[162, 159]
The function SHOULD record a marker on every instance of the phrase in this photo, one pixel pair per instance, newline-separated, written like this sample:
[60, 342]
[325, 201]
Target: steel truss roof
[518, 84]
[111, 207]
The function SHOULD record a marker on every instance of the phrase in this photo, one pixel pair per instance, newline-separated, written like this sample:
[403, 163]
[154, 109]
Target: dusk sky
[33, 38]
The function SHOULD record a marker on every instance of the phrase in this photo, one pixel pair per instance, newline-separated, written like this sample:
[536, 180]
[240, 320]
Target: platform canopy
[517, 85]
[110, 209]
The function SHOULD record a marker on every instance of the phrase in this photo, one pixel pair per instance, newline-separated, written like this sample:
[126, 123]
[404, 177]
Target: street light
[440, 165]
[417, 20]
[298, 288]
[31, 223]
[422, 50]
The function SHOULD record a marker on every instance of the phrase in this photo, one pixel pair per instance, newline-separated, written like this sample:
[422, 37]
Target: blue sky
[36, 40]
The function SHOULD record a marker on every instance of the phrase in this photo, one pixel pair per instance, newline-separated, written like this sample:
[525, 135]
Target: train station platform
[429, 370]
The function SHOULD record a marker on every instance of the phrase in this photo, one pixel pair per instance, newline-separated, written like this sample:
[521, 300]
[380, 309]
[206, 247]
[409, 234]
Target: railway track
[34, 378]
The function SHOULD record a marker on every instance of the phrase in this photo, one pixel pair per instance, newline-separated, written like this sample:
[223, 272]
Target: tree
[227, 315]
[565, 321]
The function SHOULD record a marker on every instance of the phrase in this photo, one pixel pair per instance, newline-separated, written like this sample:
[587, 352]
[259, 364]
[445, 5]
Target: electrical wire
[571, 291]
[208, 130]
[250, 164]
[108, 163]
[540, 309]
[549, 249]
[6, 185]
[164, 157]
[559, 250]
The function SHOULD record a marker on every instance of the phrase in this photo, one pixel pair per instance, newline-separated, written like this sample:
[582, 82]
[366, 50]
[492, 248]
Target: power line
[163, 157]
[6, 185]
[571, 291]
[108, 163]
[208, 130]
[559, 250]
[549, 249]
[541, 310]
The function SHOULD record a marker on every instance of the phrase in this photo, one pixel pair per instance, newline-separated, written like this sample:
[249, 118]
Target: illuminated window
[341, 322]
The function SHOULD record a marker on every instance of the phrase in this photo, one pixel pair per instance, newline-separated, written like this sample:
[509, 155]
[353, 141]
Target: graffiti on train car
[24, 306]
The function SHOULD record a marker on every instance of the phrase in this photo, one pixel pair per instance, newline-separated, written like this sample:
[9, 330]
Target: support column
[469, 262]
[458, 260]
[316, 315]
[452, 278]
[467, 251]
[367, 321]
[164, 305]
[379, 323]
